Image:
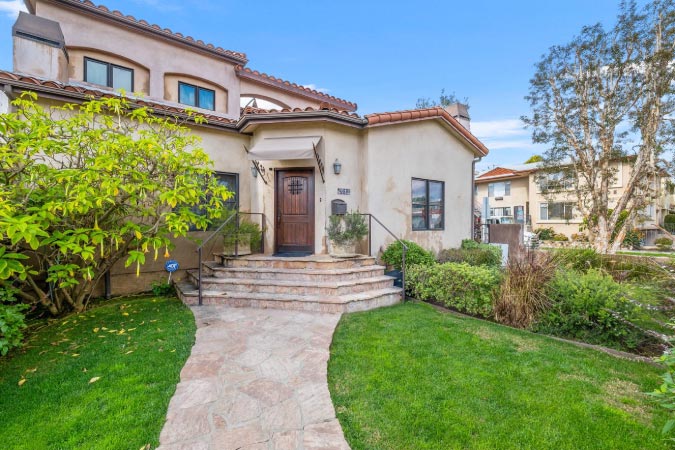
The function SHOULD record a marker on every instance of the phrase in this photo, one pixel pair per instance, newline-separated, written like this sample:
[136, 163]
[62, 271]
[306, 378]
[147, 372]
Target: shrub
[468, 244]
[633, 239]
[578, 259]
[590, 307]
[522, 296]
[11, 321]
[665, 394]
[545, 234]
[473, 256]
[248, 232]
[560, 237]
[459, 286]
[579, 237]
[161, 288]
[415, 255]
[664, 243]
[669, 218]
[347, 229]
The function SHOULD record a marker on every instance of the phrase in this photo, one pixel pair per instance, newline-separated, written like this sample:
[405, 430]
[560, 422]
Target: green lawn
[411, 377]
[99, 380]
[647, 254]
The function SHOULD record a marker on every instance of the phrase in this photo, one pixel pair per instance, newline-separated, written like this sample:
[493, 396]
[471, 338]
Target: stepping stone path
[256, 380]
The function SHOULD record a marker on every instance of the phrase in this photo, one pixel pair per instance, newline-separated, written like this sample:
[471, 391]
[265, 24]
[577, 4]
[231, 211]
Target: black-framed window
[196, 96]
[428, 204]
[231, 182]
[107, 74]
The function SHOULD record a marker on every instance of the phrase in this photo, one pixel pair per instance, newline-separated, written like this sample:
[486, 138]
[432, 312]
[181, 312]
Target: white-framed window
[556, 211]
[501, 212]
[555, 181]
[499, 189]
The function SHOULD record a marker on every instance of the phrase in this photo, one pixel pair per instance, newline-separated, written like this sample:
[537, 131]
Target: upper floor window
[501, 189]
[556, 211]
[428, 204]
[555, 181]
[196, 96]
[107, 74]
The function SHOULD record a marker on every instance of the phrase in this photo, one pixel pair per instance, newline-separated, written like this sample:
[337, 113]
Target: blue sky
[384, 55]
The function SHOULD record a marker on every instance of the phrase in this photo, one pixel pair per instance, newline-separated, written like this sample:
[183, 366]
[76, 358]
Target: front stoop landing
[314, 283]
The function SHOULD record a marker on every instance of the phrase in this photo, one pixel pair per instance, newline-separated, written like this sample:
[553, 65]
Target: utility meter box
[338, 207]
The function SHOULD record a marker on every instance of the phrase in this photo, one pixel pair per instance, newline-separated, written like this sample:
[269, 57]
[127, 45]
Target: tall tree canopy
[85, 186]
[608, 94]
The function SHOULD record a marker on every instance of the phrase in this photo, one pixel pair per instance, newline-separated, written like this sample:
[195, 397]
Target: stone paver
[256, 380]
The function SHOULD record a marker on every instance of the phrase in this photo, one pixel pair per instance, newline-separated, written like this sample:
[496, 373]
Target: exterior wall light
[337, 167]
[254, 172]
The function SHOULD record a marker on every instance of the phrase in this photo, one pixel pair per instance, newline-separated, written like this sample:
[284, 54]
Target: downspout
[473, 195]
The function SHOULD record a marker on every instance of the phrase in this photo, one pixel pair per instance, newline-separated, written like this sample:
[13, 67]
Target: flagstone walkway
[256, 379]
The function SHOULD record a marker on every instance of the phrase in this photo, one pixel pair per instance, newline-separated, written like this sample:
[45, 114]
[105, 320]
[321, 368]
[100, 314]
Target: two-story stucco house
[525, 194]
[412, 170]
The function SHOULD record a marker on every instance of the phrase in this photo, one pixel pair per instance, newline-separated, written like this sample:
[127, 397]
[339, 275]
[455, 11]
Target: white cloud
[502, 134]
[12, 8]
[318, 89]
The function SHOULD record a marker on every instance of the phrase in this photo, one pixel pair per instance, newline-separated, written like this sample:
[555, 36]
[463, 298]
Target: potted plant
[242, 241]
[344, 232]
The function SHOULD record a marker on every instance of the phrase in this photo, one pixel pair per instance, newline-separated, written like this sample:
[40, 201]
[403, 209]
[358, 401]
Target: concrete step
[308, 262]
[334, 304]
[214, 269]
[311, 287]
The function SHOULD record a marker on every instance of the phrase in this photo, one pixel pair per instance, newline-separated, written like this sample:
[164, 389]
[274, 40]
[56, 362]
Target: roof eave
[110, 16]
[64, 95]
[248, 120]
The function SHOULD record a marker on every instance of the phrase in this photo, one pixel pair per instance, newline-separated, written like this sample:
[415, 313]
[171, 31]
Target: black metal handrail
[236, 242]
[400, 241]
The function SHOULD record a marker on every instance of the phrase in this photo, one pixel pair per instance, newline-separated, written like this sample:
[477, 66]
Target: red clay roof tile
[85, 91]
[117, 15]
[245, 72]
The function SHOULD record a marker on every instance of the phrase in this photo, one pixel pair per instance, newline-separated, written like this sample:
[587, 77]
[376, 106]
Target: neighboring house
[523, 194]
[410, 169]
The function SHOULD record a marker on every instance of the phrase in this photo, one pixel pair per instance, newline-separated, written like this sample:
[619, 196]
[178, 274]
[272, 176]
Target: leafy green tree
[83, 186]
[444, 100]
[534, 159]
[605, 95]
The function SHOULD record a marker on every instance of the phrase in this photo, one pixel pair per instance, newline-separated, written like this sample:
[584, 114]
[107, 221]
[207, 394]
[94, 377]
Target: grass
[411, 377]
[647, 254]
[101, 379]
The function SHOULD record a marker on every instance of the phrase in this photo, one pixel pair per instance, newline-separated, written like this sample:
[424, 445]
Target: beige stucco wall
[171, 81]
[159, 56]
[519, 195]
[39, 59]
[76, 66]
[426, 149]
[336, 142]
[250, 88]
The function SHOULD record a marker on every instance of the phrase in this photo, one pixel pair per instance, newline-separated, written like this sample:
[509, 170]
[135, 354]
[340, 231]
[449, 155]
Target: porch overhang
[284, 148]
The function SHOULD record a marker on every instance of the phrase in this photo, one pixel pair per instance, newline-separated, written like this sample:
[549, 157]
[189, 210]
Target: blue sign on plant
[171, 265]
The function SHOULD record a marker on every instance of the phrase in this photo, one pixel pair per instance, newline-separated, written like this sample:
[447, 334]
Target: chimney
[460, 111]
[39, 48]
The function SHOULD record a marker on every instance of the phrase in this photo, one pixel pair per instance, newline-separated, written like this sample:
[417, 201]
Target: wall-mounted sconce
[337, 167]
[254, 172]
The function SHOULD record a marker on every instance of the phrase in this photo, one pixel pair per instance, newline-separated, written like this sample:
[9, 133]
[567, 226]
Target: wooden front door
[294, 231]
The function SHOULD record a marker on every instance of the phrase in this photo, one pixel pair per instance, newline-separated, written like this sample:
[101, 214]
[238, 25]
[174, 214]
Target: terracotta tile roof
[245, 72]
[37, 84]
[249, 110]
[503, 172]
[87, 5]
[427, 113]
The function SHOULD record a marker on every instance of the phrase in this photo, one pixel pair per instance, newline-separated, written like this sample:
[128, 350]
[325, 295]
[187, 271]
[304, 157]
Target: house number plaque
[344, 191]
